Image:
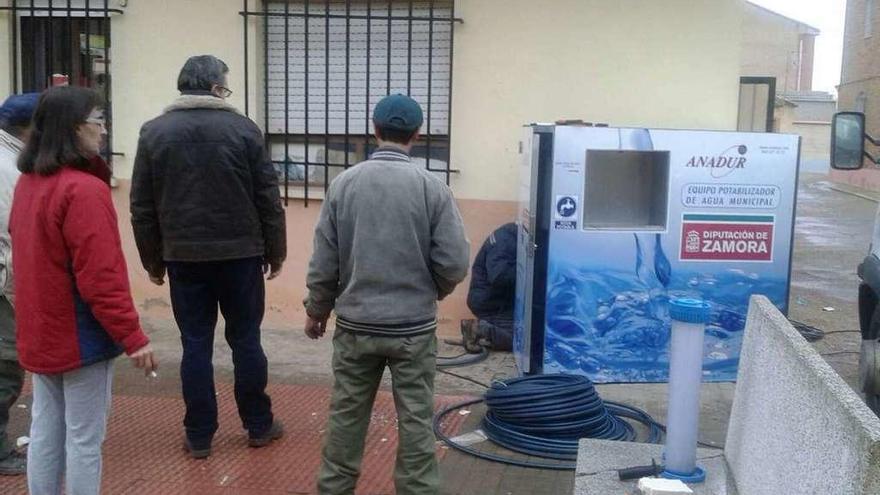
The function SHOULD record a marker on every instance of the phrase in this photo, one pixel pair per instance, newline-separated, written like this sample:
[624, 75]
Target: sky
[828, 16]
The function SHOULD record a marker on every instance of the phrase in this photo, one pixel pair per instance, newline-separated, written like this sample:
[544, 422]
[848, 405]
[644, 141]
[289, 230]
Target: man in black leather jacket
[205, 207]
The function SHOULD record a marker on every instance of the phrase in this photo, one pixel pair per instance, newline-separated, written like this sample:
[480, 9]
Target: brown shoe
[274, 432]
[470, 336]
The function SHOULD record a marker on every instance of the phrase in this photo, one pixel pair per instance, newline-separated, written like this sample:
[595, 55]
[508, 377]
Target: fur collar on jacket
[189, 102]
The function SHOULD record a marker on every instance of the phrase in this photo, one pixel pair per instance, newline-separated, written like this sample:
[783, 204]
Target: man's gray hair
[201, 73]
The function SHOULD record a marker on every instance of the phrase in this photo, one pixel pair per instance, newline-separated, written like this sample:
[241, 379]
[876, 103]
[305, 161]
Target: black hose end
[634, 473]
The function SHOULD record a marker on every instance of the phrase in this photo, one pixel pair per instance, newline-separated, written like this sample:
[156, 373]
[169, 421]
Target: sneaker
[194, 452]
[470, 336]
[13, 465]
[274, 432]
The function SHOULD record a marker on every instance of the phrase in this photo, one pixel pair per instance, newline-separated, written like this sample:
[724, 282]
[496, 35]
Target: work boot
[274, 432]
[13, 465]
[470, 336]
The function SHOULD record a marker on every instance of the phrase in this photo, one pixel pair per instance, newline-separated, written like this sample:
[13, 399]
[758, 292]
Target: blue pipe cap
[689, 310]
[698, 476]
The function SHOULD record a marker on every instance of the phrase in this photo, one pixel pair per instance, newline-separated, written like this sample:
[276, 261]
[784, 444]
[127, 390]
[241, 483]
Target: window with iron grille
[62, 42]
[327, 63]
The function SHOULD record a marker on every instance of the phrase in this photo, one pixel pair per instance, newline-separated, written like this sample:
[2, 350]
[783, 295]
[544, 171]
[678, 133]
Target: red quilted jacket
[73, 304]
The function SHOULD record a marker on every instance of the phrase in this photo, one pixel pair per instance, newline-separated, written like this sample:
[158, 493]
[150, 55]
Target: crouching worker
[491, 294]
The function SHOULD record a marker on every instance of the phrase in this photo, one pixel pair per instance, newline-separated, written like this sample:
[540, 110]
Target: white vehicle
[848, 153]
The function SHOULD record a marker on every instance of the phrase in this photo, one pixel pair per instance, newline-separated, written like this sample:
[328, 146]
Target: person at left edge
[15, 120]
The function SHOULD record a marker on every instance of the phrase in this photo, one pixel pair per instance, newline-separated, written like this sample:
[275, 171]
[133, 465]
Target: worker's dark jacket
[202, 188]
[493, 277]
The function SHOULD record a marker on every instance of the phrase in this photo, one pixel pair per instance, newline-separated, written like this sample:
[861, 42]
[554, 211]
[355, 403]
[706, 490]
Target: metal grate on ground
[143, 453]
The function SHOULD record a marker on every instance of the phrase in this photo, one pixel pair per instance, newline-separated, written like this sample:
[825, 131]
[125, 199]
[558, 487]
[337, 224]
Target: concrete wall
[814, 111]
[796, 426]
[815, 145]
[628, 62]
[774, 45]
[815, 135]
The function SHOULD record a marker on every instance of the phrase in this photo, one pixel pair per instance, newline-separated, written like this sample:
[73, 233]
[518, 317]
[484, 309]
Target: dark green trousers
[11, 374]
[358, 364]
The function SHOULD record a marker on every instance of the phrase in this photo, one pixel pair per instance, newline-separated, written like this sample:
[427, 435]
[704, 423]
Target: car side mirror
[848, 140]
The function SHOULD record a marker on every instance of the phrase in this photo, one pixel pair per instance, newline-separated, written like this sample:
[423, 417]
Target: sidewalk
[143, 453]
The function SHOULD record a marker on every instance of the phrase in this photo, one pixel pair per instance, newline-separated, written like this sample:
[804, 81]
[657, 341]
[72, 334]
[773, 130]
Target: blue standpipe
[689, 318]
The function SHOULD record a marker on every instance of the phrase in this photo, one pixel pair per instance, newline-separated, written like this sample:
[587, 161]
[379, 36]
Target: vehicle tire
[873, 402]
[869, 367]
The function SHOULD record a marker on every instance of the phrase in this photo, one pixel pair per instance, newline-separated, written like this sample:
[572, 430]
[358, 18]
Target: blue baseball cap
[399, 112]
[18, 109]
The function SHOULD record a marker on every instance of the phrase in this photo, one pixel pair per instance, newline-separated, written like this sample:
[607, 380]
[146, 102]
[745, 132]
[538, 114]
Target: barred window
[327, 64]
[63, 42]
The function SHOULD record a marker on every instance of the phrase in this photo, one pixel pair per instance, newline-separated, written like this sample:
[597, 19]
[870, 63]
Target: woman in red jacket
[73, 305]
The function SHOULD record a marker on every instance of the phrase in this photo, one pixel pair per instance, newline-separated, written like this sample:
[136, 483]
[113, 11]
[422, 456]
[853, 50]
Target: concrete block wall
[796, 426]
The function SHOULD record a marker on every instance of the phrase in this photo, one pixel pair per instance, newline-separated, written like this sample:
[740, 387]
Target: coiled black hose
[546, 415]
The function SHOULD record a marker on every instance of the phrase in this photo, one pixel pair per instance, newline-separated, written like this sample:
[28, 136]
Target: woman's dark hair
[395, 135]
[201, 73]
[53, 142]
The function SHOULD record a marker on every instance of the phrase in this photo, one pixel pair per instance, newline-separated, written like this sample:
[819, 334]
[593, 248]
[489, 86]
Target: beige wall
[815, 139]
[151, 41]
[627, 62]
[815, 136]
[5, 52]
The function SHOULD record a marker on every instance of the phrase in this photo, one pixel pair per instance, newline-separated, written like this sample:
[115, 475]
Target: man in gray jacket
[15, 118]
[389, 243]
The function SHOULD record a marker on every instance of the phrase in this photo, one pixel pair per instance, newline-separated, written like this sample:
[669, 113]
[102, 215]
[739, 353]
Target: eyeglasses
[97, 121]
[223, 92]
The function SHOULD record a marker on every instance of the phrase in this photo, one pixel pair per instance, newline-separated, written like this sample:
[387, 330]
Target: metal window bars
[67, 37]
[325, 65]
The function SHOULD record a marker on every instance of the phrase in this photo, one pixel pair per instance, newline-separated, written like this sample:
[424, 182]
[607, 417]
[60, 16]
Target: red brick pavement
[143, 453]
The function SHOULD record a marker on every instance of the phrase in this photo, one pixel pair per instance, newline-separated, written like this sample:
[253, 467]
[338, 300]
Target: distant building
[779, 47]
[859, 88]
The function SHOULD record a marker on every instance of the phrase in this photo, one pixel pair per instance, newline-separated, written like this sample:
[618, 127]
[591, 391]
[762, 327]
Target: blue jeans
[237, 287]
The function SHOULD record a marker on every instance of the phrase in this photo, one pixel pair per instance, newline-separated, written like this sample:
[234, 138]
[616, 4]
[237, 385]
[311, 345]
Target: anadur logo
[566, 206]
[722, 164]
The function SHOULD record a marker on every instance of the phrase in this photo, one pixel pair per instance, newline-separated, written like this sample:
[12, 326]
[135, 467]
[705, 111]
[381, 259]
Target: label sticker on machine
[565, 225]
[741, 196]
[566, 207]
[727, 237]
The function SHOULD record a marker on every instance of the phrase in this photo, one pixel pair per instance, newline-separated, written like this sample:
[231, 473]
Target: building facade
[308, 72]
